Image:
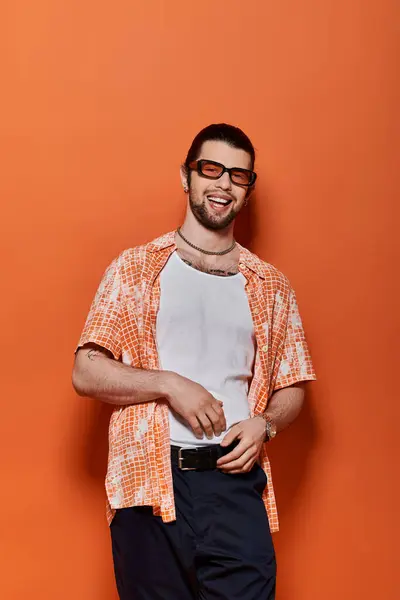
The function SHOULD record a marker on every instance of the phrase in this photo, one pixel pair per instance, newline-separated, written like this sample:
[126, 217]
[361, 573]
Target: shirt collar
[247, 259]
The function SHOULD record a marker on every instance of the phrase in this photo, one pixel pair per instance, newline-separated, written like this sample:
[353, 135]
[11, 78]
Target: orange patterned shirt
[122, 319]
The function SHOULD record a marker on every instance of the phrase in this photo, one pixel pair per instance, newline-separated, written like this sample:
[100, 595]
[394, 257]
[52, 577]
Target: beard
[213, 222]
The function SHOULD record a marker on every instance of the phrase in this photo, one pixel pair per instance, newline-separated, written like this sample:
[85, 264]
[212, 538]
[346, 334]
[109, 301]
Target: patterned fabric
[122, 319]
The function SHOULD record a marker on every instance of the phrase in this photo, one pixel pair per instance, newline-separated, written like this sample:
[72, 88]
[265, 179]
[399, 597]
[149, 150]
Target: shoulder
[266, 271]
[136, 258]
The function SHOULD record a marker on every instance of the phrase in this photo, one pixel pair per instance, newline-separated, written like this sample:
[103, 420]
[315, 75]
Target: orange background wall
[99, 104]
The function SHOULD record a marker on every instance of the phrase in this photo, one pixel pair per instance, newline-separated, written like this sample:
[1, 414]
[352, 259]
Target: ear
[184, 179]
[250, 192]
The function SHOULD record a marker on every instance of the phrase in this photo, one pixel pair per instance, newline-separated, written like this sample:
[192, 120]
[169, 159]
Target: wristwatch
[270, 427]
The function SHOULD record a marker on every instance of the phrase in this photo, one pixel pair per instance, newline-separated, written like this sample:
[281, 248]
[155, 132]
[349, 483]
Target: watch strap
[269, 427]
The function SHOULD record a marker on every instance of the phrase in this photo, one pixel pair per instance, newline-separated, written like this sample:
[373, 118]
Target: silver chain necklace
[220, 253]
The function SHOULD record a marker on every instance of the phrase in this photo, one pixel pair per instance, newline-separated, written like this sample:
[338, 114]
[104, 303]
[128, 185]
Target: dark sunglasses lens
[241, 177]
[210, 170]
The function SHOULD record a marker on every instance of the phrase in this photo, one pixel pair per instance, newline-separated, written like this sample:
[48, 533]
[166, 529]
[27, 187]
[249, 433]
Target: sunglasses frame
[196, 165]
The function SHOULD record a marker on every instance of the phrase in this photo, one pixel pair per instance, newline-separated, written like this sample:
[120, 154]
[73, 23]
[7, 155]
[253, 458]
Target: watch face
[272, 430]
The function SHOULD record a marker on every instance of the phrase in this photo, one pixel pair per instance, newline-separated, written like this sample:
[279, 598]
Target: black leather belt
[200, 458]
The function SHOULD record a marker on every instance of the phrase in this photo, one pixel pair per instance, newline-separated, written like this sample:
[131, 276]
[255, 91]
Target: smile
[217, 200]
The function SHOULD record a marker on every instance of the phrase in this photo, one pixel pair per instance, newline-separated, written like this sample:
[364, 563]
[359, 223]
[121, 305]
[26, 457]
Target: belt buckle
[180, 460]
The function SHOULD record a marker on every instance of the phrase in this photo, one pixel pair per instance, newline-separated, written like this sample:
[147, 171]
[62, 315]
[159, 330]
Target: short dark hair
[221, 132]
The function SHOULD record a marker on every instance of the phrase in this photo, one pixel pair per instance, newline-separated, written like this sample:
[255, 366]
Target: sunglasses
[214, 170]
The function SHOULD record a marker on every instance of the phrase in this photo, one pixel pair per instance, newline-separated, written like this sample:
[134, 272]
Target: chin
[216, 224]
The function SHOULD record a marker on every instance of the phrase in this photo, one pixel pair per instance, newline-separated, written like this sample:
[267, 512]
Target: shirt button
[256, 311]
[264, 348]
[241, 265]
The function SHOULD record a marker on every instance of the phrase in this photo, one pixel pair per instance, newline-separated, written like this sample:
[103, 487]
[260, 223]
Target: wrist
[168, 383]
[270, 427]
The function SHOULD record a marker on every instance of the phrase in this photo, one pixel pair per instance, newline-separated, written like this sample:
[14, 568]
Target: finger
[239, 464]
[205, 424]
[235, 454]
[196, 427]
[231, 436]
[246, 469]
[220, 411]
[215, 419]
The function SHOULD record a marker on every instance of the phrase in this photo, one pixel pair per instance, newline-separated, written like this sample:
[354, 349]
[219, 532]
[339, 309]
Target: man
[199, 346]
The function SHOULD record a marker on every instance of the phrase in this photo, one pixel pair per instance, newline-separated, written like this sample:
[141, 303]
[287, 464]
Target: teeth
[218, 200]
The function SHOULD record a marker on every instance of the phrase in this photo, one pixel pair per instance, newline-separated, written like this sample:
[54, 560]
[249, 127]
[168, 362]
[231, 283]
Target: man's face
[206, 195]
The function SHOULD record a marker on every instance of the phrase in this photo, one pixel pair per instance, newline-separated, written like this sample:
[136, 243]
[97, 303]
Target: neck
[208, 239]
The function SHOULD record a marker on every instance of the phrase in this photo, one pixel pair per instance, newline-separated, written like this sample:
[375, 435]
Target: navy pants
[219, 548]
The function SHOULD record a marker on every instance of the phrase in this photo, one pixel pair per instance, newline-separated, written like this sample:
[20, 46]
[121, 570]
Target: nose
[224, 182]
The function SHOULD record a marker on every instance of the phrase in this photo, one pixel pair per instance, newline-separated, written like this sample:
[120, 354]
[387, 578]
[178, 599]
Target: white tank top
[205, 333]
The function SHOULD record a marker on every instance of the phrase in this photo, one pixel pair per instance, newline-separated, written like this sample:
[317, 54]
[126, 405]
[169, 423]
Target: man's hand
[251, 435]
[196, 405]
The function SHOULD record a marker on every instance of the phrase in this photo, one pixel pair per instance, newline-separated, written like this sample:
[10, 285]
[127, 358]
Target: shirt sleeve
[103, 324]
[295, 364]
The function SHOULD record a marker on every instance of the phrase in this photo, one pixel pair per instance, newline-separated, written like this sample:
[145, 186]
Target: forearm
[99, 376]
[285, 405]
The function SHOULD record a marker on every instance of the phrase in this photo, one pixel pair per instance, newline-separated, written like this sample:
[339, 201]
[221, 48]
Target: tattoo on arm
[92, 354]
[93, 351]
